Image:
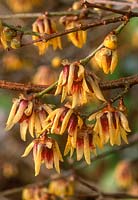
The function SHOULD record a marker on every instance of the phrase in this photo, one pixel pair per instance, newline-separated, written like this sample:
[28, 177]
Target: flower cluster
[60, 188]
[10, 38]
[29, 114]
[111, 125]
[43, 25]
[107, 57]
[45, 149]
[74, 82]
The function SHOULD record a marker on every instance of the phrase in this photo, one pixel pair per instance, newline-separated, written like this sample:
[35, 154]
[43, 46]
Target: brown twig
[104, 85]
[114, 3]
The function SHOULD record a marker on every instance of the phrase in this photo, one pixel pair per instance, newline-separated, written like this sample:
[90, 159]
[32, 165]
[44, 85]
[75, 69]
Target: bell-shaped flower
[111, 125]
[107, 59]
[64, 119]
[29, 114]
[78, 38]
[63, 188]
[44, 25]
[84, 145]
[45, 149]
[74, 82]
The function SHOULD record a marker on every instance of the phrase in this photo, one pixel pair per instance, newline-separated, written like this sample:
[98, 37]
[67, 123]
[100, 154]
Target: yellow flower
[44, 25]
[84, 145]
[61, 188]
[45, 149]
[77, 38]
[111, 124]
[72, 81]
[63, 119]
[110, 41]
[107, 59]
[36, 193]
[29, 114]
[123, 174]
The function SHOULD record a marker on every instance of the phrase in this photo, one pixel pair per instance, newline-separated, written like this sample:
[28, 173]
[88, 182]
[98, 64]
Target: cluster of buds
[72, 82]
[111, 124]
[78, 38]
[43, 25]
[62, 188]
[45, 149]
[107, 57]
[84, 145]
[10, 38]
[29, 114]
[37, 193]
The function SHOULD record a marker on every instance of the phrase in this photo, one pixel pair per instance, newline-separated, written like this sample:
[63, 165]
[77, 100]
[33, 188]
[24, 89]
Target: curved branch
[104, 85]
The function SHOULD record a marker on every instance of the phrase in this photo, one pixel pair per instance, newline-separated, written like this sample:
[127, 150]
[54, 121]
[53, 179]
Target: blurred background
[117, 172]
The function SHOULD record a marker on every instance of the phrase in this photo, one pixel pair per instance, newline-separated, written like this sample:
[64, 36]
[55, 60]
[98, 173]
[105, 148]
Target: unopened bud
[110, 41]
[15, 43]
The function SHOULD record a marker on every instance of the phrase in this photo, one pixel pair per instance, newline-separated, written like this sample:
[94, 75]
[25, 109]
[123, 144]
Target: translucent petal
[23, 129]
[9, 122]
[28, 149]
[87, 149]
[97, 91]
[114, 61]
[56, 159]
[65, 121]
[22, 106]
[70, 78]
[56, 120]
[29, 108]
[124, 122]
[32, 124]
[37, 159]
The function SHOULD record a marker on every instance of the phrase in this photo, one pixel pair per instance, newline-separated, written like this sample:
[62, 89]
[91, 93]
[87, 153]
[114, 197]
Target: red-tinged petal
[56, 120]
[48, 158]
[22, 106]
[68, 146]
[87, 149]
[79, 148]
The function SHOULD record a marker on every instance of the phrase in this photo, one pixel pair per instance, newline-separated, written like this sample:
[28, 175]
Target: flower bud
[110, 41]
[9, 34]
[76, 5]
[15, 43]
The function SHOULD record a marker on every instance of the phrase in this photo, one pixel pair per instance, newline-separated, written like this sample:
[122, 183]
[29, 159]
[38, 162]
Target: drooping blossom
[84, 145]
[111, 125]
[44, 25]
[45, 149]
[64, 119]
[30, 114]
[74, 82]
